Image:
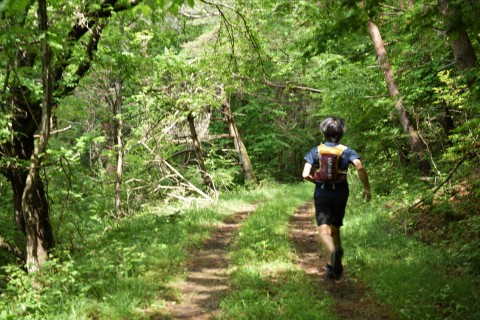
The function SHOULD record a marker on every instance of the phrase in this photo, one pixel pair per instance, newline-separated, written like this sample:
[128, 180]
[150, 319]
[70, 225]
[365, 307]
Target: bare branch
[56, 131]
[287, 85]
[450, 175]
[11, 248]
[198, 16]
[188, 183]
[392, 8]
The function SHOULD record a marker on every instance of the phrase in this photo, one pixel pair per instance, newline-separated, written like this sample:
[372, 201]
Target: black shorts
[330, 211]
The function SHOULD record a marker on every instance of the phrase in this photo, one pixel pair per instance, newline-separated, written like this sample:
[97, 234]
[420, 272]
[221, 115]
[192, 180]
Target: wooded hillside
[114, 109]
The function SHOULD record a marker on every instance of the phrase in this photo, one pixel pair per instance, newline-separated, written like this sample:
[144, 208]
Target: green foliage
[460, 101]
[284, 65]
[15, 8]
[121, 269]
[423, 277]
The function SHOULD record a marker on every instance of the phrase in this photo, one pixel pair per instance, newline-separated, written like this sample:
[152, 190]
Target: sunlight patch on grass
[237, 205]
[269, 269]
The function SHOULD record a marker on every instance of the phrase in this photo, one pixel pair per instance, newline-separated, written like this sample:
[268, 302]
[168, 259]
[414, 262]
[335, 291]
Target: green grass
[412, 277]
[268, 284]
[121, 273]
[124, 271]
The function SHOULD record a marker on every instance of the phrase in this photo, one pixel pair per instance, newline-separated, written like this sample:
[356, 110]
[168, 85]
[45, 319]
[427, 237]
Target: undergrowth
[119, 272]
[418, 278]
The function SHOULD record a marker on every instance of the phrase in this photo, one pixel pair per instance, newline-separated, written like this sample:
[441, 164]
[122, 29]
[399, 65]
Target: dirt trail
[207, 280]
[352, 298]
[207, 274]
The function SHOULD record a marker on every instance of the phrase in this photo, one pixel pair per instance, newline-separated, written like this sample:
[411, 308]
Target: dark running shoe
[337, 267]
[329, 270]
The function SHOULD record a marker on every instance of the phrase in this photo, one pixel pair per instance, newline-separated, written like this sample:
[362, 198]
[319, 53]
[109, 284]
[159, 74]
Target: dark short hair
[333, 129]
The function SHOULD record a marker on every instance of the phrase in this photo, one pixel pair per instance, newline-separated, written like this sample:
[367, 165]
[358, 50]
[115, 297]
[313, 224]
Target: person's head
[333, 129]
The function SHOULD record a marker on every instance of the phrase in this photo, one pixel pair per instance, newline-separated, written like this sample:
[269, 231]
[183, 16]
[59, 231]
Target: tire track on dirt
[352, 299]
[207, 274]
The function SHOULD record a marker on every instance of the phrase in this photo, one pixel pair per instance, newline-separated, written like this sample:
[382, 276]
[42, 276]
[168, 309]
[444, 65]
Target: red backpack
[328, 159]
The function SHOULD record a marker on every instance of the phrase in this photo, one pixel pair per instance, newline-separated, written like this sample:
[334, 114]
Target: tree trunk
[207, 181]
[280, 161]
[118, 130]
[414, 140]
[243, 157]
[29, 114]
[39, 237]
[462, 47]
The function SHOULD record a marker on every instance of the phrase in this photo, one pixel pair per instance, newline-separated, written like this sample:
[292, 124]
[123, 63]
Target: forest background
[119, 108]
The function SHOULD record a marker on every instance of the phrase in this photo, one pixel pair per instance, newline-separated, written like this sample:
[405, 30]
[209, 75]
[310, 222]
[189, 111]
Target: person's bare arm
[306, 172]
[362, 173]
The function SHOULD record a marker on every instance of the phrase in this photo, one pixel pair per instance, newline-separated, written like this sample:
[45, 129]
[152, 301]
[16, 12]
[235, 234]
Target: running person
[331, 198]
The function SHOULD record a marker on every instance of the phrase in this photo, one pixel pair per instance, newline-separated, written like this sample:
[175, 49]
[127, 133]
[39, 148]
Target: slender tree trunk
[17, 180]
[207, 181]
[39, 237]
[414, 140]
[460, 42]
[243, 157]
[118, 130]
[280, 161]
[463, 50]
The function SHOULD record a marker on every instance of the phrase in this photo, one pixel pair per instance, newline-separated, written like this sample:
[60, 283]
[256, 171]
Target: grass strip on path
[268, 284]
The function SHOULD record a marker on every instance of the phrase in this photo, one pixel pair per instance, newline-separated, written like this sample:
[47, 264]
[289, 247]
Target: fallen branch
[188, 183]
[434, 190]
[206, 138]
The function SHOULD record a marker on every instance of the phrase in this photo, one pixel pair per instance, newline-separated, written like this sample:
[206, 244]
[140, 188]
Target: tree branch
[450, 175]
[287, 85]
[85, 23]
[55, 131]
[12, 249]
[392, 8]
[248, 32]
[198, 16]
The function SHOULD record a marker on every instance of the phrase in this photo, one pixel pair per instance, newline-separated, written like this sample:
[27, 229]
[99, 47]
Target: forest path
[207, 274]
[352, 299]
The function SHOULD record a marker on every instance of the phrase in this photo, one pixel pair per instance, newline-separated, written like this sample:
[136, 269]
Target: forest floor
[207, 274]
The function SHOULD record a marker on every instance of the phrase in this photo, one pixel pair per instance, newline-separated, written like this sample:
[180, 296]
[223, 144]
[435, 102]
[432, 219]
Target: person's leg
[327, 241]
[325, 231]
[330, 238]
[335, 232]
[330, 211]
[337, 253]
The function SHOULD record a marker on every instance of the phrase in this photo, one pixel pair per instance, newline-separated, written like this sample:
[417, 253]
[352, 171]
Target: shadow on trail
[352, 299]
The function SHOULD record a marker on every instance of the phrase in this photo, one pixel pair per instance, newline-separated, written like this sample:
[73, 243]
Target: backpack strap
[338, 149]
